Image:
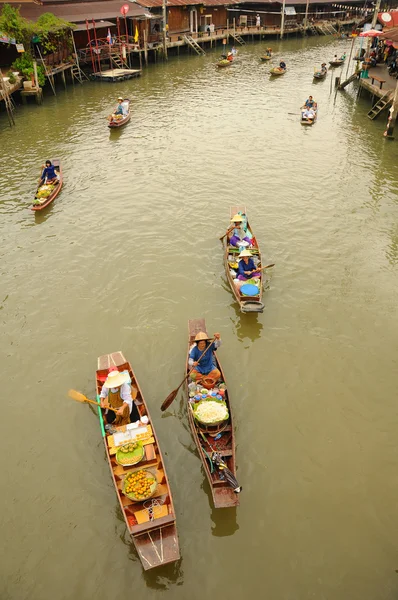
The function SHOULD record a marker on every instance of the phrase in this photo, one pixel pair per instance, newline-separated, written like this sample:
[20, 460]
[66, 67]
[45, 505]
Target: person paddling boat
[116, 393]
[204, 366]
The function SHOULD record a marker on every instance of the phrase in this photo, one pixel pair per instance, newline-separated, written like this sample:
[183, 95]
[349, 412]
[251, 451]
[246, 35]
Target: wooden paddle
[266, 267]
[171, 397]
[84, 400]
[226, 233]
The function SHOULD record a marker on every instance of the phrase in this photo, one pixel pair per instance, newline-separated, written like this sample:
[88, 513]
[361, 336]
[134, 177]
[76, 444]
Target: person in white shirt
[258, 21]
[116, 390]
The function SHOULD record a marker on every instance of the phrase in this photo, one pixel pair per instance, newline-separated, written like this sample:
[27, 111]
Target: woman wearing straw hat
[117, 390]
[237, 232]
[246, 267]
[206, 366]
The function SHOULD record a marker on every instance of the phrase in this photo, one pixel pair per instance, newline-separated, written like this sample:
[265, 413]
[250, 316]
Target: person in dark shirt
[48, 175]
[310, 103]
[246, 267]
[282, 65]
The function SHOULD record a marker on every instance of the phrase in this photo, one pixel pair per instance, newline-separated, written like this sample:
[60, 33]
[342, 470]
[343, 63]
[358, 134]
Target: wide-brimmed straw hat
[237, 218]
[120, 98]
[201, 336]
[245, 253]
[115, 379]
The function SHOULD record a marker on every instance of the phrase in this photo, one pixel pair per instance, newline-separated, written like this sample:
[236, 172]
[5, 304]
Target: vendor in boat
[119, 110]
[310, 103]
[323, 68]
[236, 232]
[118, 394]
[48, 175]
[230, 56]
[308, 114]
[343, 56]
[246, 267]
[268, 52]
[282, 65]
[206, 366]
[234, 51]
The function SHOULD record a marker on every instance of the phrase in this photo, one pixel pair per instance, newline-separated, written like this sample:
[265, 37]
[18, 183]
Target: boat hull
[223, 495]
[247, 304]
[57, 190]
[117, 124]
[156, 541]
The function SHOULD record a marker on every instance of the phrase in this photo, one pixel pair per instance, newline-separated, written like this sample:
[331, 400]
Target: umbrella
[370, 33]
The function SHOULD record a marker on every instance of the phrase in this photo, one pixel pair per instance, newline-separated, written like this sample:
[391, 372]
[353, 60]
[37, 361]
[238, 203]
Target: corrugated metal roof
[79, 11]
[171, 3]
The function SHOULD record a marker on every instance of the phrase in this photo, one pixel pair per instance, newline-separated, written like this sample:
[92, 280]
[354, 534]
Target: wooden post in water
[392, 116]
[164, 9]
[306, 16]
[145, 47]
[282, 19]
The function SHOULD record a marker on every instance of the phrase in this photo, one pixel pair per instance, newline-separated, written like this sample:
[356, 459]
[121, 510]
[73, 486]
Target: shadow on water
[224, 520]
[42, 215]
[115, 133]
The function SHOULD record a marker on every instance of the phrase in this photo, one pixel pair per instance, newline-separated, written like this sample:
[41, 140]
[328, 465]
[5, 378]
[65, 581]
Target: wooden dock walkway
[113, 75]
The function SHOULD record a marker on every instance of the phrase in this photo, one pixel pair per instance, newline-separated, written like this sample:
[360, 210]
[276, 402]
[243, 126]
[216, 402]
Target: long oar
[174, 393]
[84, 400]
[266, 267]
[226, 233]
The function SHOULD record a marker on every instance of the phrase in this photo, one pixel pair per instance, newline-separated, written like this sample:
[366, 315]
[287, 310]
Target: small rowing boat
[150, 523]
[320, 74]
[210, 439]
[308, 121]
[116, 122]
[266, 57]
[336, 63]
[277, 71]
[248, 296]
[45, 194]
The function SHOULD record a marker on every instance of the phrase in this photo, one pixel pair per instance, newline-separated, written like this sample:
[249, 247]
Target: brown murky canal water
[129, 252]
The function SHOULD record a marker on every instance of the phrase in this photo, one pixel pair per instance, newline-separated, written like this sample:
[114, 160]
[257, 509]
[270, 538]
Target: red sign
[125, 9]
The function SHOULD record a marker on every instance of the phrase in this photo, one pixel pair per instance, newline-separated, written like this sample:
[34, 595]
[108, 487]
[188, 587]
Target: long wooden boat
[204, 436]
[151, 524]
[114, 123]
[247, 304]
[336, 63]
[56, 163]
[320, 74]
[277, 71]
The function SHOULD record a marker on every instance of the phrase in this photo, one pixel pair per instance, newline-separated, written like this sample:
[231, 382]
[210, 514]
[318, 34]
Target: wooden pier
[113, 75]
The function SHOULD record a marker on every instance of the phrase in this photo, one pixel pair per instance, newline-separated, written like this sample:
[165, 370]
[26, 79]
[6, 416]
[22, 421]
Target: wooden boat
[114, 123]
[277, 71]
[56, 190]
[265, 57]
[151, 524]
[336, 63]
[312, 121]
[320, 74]
[247, 304]
[223, 495]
